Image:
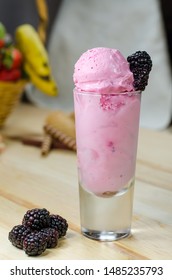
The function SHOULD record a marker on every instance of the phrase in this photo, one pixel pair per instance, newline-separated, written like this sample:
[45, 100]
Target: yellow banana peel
[46, 85]
[29, 43]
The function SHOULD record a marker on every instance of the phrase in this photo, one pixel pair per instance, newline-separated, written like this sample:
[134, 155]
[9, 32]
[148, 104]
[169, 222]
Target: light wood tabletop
[28, 180]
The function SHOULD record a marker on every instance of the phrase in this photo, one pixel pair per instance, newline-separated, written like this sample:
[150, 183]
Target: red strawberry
[2, 43]
[10, 75]
[12, 58]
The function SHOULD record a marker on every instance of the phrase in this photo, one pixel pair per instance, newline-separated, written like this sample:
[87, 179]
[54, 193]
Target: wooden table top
[28, 180]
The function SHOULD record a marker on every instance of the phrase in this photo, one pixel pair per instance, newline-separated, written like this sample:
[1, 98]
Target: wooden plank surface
[28, 180]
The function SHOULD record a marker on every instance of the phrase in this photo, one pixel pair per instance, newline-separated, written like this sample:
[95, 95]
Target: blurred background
[77, 25]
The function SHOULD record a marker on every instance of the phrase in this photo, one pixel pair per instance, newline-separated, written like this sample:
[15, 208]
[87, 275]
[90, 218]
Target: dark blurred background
[166, 9]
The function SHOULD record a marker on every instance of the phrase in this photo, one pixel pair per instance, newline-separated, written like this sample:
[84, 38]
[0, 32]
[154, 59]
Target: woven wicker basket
[10, 92]
[9, 96]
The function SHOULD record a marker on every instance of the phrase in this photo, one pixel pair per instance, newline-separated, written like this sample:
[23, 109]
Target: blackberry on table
[36, 219]
[39, 230]
[35, 244]
[52, 236]
[59, 223]
[140, 65]
[17, 235]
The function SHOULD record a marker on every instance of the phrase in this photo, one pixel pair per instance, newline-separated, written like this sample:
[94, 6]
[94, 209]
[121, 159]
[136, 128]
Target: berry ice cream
[103, 70]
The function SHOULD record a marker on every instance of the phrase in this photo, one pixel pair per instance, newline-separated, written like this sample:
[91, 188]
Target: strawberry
[10, 75]
[2, 43]
[12, 58]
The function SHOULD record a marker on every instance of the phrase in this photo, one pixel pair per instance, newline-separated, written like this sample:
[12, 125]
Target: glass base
[105, 235]
[106, 218]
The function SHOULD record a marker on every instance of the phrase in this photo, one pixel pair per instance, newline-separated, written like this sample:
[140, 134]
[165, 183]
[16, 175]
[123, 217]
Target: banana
[46, 85]
[32, 48]
[35, 56]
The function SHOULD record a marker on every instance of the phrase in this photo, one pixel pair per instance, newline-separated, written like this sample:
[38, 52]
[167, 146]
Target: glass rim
[130, 93]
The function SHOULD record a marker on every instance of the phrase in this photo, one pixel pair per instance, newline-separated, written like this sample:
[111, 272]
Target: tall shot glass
[106, 135]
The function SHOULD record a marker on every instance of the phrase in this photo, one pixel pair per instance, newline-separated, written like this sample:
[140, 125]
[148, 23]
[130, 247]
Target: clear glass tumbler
[106, 135]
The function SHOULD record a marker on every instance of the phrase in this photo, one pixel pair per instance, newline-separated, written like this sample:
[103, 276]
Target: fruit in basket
[2, 30]
[2, 35]
[25, 58]
[29, 43]
[10, 58]
[10, 75]
[36, 62]
[5, 38]
[44, 83]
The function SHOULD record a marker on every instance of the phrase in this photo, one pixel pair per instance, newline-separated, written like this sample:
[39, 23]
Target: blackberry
[59, 223]
[140, 65]
[17, 235]
[36, 218]
[35, 244]
[52, 236]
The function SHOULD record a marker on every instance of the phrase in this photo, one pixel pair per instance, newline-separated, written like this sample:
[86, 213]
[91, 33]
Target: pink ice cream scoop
[103, 70]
